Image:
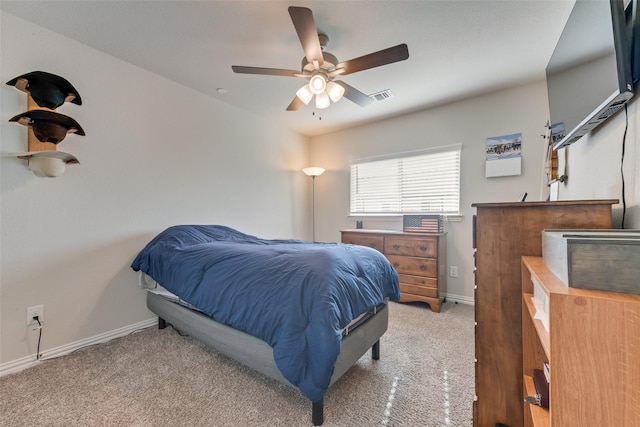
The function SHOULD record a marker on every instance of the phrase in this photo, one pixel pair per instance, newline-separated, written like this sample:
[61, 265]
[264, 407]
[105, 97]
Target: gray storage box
[607, 260]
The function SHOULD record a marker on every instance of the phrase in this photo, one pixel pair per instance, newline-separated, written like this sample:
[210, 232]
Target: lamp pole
[313, 205]
[313, 172]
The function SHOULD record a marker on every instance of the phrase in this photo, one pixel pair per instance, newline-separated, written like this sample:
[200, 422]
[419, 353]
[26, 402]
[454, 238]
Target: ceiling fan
[320, 67]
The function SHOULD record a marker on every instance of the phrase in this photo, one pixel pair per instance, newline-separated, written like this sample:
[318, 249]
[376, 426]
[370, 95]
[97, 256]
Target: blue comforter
[295, 295]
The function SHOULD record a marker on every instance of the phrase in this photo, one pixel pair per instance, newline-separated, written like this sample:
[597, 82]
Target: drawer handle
[396, 247]
[423, 267]
[423, 248]
[396, 264]
[373, 245]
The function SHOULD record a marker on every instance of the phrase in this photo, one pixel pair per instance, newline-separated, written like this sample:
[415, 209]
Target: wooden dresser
[502, 234]
[419, 259]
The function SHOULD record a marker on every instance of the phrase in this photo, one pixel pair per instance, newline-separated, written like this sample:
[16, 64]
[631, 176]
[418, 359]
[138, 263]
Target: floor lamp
[313, 172]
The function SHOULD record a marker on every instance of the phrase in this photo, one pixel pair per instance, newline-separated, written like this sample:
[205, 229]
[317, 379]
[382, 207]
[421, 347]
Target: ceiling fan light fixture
[320, 66]
[305, 94]
[335, 91]
[322, 100]
[317, 84]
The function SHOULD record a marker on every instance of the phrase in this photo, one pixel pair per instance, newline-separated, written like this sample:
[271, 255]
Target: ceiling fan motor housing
[330, 61]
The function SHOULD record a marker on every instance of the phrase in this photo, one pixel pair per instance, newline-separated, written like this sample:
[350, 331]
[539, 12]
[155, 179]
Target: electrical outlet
[36, 310]
[453, 271]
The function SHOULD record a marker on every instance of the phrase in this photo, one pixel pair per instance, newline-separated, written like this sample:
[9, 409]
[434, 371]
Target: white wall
[469, 122]
[155, 154]
[593, 165]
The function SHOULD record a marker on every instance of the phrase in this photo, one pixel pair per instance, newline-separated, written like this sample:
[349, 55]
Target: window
[423, 182]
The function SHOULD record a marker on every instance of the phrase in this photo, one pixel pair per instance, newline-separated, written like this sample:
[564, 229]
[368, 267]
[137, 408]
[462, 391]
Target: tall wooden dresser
[419, 259]
[502, 234]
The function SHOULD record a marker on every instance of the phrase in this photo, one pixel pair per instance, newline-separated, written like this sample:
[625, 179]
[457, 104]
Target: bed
[299, 312]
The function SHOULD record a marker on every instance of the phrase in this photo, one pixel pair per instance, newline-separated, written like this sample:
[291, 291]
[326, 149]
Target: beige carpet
[157, 378]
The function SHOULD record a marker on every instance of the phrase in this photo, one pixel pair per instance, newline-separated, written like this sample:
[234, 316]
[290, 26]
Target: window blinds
[425, 183]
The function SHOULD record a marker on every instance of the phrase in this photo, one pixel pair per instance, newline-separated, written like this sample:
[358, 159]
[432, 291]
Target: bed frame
[257, 354]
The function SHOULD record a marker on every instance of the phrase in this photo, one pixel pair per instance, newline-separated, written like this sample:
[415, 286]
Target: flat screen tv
[589, 75]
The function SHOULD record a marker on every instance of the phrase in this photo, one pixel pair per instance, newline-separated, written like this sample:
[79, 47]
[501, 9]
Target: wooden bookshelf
[593, 350]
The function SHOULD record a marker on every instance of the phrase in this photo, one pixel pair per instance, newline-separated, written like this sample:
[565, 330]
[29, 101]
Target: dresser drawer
[419, 246]
[418, 290]
[375, 242]
[425, 282]
[414, 266]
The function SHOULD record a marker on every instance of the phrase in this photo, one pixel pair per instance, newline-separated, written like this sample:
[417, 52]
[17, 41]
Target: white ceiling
[456, 48]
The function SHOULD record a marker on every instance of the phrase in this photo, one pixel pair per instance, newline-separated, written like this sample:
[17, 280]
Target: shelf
[539, 415]
[596, 348]
[543, 334]
[551, 284]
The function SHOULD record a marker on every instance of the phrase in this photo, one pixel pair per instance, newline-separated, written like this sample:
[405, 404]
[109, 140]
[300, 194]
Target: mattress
[147, 282]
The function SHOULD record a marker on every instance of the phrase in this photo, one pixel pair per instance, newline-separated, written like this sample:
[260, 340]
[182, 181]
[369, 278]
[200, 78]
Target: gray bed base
[257, 354]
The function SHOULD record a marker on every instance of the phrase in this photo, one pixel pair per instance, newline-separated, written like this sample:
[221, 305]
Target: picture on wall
[557, 132]
[503, 155]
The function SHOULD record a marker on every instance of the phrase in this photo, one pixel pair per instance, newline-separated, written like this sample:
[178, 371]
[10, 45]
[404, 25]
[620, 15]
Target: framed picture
[503, 155]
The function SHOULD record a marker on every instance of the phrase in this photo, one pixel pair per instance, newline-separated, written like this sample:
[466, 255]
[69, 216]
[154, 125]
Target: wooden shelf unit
[593, 350]
[419, 259]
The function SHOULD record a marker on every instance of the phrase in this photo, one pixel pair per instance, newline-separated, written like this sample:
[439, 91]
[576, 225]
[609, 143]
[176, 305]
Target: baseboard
[460, 299]
[29, 361]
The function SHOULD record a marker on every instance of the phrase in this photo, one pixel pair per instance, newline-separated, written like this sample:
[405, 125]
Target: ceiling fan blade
[295, 104]
[266, 71]
[354, 94]
[302, 19]
[375, 59]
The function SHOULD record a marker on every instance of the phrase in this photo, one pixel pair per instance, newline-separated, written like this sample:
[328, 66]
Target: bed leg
[161, 323]
[317, 412]
[375, 351]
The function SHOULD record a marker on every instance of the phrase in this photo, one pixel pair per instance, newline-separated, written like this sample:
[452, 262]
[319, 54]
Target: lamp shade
[313, 171]
[305, 94]
[317, 84]
[322, 100]
[335, 91]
